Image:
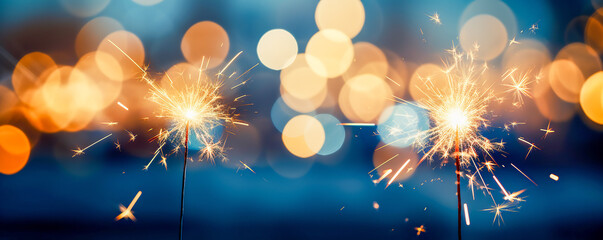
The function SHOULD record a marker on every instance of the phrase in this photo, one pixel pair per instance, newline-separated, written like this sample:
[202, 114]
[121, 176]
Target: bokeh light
[277, 49]
[485, 35]
[346, 16]
[329, 53]
[205, 41]
[14, 149]
[303, 136]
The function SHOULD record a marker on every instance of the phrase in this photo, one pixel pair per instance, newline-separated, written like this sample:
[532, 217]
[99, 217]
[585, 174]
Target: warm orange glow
[207, 41]
[14, 149]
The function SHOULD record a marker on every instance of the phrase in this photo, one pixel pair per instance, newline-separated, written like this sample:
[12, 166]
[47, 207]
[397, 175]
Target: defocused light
[131, 45]
[591, 97]
[93, 32]
[277, 49]
[393, 158]
[329, 53]
[85, 8]
[368, 59]
[585, 58]
[280, 114]
[528, 56]
[549, 104]
[566, 80]
[401, 124]
[205, 41]
[334, 134]
[426, 73]
[593, 33]
[304, 105]
[485, 35]
[30, 73]
[303, 136]
[363, 97]
[346, 16]
[14, 149]
[147, 2]
[300, 81]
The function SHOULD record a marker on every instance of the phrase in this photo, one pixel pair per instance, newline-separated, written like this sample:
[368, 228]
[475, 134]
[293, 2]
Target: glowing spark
[376, 205]
[109, 123]
[420, 230]
[489, 165]
[358, 124]
[123, 106]
[385, 174]
[435, 18]
[529, 143]
[132, 136]
[247, 167]
[127, 212]
[501, 187]
[467, 221]
[398, 172]
[497, 209]
[524, 174]
[554, 177]
[513, 41]
[533, 28]
[383, 163]
[163, 162]
[514, 196]
[79, 151]
[392, 80]
[519, 85]
[117, 145]
[154, 156]
[547, 130]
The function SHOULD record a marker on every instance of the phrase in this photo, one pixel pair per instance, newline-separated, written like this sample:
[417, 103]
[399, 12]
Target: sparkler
[194, 110]
[127, 212]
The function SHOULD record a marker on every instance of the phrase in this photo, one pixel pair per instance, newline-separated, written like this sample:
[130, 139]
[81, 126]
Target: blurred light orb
[401, 124]
[425, 73]
[129, 44]
[363, 98]
[300, 81]
[584, 56]
[109, 86]
[386, 153]
[530, 56]
[8, 100]
[346, 16]
[205, 41]
[593, 33]
[485, 35]
[566, 80]
[84, 8]
[304, 136]
[93, 32]
[591, 98]
[368, 59]
[147, 2]
[548, 103]
[14, 149]
[277, 49]
[304, 105]
[30, 73]
[495, 8]
[329, 53]
[334, 134]
[280, 114]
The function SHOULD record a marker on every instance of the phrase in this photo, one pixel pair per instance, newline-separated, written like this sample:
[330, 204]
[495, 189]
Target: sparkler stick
[183, 181]
[458, 183]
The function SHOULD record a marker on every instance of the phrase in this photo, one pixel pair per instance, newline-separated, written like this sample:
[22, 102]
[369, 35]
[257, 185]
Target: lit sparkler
[194, 108]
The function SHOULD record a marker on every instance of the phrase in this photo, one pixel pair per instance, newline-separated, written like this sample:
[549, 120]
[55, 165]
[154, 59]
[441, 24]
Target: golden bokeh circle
[427, 74]
[300, 81]
[131, 45]
[346, 16]
[303, 136]
[14, 149]
[566, 80]
[591, 98]
[277, 49]
[205, 41]
[329, 53]
[368, 59]
[484, 35]
[363, 98]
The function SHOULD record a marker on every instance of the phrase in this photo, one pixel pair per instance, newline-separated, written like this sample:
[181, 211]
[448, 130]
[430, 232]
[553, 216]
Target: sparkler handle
[183, 182]
[457, 163]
